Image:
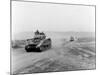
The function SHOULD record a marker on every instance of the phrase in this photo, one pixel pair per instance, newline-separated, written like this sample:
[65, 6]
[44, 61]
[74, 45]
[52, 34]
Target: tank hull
[42, 46]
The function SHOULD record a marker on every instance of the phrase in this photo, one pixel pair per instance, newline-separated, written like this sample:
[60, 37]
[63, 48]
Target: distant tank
[38, 43]
[71, 39]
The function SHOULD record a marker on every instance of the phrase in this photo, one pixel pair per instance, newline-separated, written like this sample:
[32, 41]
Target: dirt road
[58, 58]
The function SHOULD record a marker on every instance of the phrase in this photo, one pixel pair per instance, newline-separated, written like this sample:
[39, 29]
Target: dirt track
[58, 58]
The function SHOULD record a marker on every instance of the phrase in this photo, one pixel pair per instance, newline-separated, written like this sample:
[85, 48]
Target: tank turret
[37, 32]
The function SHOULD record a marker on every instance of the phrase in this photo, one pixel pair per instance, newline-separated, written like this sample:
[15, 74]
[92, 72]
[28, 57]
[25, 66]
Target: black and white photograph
[52, 37]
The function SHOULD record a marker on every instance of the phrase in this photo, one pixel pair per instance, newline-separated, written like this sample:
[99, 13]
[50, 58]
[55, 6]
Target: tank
[38, 43]
[71, 39]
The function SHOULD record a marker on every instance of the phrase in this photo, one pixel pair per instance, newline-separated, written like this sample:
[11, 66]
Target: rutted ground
[63, 56]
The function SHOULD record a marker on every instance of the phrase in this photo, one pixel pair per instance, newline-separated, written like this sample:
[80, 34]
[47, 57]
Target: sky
[30, 16]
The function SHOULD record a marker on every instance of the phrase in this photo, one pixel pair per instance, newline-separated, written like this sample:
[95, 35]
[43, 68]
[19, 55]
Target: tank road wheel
[27, 49]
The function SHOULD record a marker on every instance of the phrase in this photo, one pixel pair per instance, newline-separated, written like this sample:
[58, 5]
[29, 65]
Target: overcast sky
[29, 16]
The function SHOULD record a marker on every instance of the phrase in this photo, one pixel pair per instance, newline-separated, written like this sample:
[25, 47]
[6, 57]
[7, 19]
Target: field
[63, 56]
